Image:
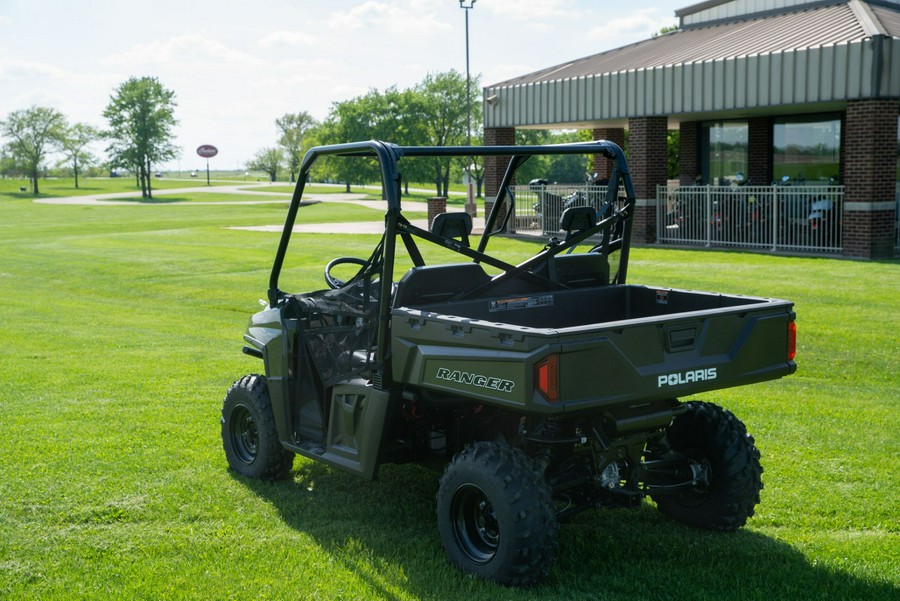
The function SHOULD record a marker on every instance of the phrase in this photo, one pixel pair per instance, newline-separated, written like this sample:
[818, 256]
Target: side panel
[265, 332]
[355, 429]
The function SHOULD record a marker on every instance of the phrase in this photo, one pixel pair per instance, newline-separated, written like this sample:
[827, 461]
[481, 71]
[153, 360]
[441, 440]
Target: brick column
[689, 152]
[647, 163]
[436, 206]
[602, 165]
[759, 151]
[495, 167]
[870, 178]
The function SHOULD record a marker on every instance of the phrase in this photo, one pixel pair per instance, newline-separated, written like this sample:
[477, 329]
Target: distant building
[799, 88]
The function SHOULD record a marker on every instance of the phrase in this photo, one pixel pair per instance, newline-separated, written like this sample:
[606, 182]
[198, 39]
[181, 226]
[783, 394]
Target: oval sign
[207, 151]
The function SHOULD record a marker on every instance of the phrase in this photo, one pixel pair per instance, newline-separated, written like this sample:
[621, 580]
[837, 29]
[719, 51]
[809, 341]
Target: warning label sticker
[522, 302]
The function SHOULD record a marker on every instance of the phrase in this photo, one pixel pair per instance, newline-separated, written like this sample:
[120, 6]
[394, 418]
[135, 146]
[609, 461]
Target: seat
[575, 220]
[453, 225]
[430, 284]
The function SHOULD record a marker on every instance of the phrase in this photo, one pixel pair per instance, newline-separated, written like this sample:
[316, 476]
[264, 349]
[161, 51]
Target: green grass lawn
[122, 328]
[65, 186]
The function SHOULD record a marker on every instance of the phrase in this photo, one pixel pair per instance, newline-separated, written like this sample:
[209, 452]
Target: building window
[723, 152]
[807, 150]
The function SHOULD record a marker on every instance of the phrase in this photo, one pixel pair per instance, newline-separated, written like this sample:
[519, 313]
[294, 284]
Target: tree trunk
[348, 186]
[75, 161]
[143, 182]
[149, 181]
[34, 182]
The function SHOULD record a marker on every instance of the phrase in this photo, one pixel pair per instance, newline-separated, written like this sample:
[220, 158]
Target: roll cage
[611, 222]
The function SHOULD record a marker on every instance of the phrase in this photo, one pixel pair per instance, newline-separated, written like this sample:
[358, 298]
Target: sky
[236, 66]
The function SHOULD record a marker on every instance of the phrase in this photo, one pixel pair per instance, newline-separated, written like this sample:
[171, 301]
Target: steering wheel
[334, 282]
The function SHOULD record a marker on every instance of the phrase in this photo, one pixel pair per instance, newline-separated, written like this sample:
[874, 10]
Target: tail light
[546, 377]
[792, 340]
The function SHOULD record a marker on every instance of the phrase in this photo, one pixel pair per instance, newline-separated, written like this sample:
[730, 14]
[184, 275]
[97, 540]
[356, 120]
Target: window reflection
[724, 152]
[806, 150]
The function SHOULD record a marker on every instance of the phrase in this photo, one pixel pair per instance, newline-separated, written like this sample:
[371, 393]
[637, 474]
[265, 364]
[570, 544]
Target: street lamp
[468, 5]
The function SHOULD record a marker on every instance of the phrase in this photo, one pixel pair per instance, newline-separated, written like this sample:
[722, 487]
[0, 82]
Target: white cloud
[287, 38]
[189, 48]
[414, 18]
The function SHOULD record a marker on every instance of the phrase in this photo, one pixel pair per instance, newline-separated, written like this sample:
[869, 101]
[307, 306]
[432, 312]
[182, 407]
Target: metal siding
[710, 85]
[865, 70]
[817, 74]
[730, 83]
[678, 104]
[840, 64]
[800, 76]
[854, 71]
[812, 71]
[661, 99]
[893, 58]
[740, 82]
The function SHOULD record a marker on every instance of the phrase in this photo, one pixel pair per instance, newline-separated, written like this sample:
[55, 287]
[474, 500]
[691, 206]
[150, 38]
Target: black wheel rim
[244, 435]
[475, 524]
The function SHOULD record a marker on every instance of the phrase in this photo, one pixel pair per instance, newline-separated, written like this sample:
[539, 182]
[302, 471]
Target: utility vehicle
[538, 386]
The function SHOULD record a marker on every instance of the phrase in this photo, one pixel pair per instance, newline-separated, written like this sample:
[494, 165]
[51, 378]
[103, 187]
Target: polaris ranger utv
[540, 388]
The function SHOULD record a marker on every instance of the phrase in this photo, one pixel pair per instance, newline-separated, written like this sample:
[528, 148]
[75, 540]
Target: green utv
[539, 388]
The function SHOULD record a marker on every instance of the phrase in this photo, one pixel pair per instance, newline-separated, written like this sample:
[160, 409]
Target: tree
[141, 116]
[373, 116]
[34, 132]
[673, 153]
[440, 109]
[294, 127]
[74, 141]
[267, 160]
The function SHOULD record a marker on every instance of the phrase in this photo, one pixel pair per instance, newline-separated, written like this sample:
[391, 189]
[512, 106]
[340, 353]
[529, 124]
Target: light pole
[468, 5]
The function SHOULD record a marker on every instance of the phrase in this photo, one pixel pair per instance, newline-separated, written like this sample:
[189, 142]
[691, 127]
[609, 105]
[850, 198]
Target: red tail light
[546, 377]
[792, 340]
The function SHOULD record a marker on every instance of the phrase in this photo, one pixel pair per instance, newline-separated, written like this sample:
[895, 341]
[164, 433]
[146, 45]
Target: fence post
[775, 213]
[708, 215]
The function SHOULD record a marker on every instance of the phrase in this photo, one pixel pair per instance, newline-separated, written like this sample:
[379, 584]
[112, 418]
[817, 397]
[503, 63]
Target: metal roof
[824, 49]
[821, 26]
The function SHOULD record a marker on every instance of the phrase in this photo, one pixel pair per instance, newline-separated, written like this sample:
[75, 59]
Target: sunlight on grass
[122, 328]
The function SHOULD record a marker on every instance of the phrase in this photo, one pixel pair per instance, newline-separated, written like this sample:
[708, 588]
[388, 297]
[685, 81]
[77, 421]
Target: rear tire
[249, 436]
[712, 436]
[496, 515]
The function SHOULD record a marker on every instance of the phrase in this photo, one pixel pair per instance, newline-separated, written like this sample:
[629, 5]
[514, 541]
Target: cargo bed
[615, 344]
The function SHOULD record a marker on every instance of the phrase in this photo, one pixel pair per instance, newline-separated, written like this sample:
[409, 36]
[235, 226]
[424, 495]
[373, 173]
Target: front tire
[249, 436]
[714, 438]
[496, 516]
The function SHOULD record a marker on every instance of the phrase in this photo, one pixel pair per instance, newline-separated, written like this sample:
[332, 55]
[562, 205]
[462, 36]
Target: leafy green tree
[673, 156]
[294, 128]
[267, 160]
[141, 115]
[33, 133]
[440, 109]
[373, 116]
[74, 146]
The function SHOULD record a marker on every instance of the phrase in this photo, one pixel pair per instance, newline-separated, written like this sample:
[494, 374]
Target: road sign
[207, 151]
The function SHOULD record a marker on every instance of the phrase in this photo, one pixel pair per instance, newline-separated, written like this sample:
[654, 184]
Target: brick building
[770, 89]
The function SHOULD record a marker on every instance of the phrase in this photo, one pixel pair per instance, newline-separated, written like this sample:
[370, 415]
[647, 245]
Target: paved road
[259, 196]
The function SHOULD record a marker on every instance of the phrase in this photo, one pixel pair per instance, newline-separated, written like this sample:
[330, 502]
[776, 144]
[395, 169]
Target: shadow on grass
[614, 554]
[149, 201]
